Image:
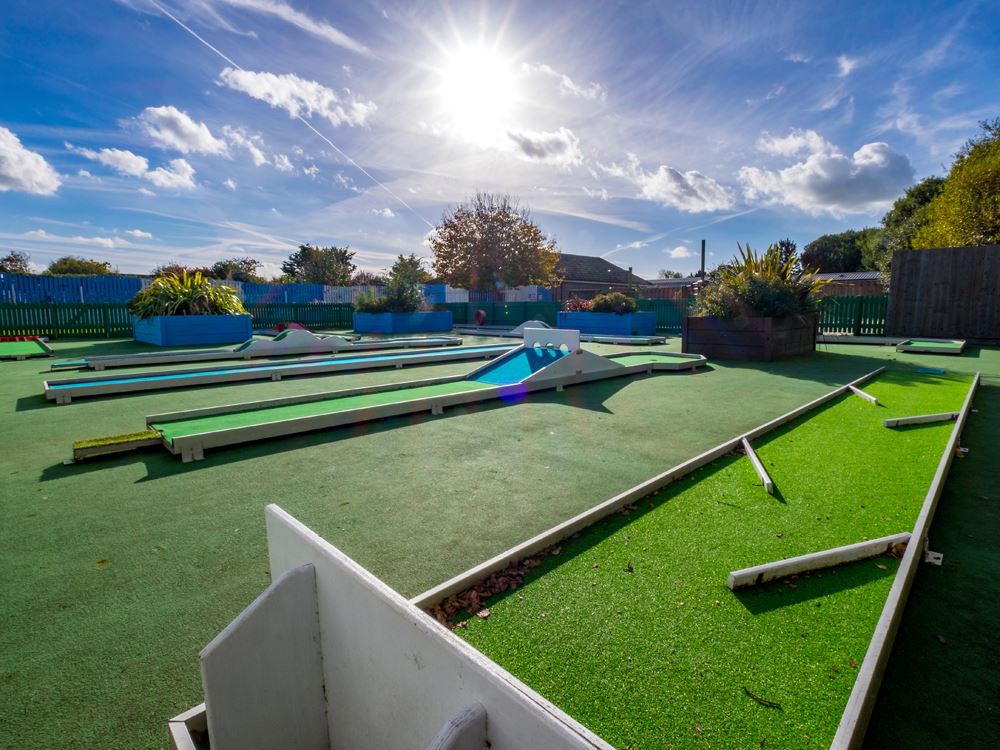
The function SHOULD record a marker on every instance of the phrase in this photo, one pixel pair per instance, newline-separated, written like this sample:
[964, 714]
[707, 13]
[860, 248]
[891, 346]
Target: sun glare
[478, 94]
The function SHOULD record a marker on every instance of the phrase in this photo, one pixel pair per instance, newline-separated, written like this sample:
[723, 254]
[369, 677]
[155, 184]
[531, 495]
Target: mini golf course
[65, 390]
[125, 568]
[290, 342]
[509, 377]
[23, 347]
[629, 626]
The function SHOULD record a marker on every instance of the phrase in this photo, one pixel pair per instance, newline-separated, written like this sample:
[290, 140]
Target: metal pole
[703, 259]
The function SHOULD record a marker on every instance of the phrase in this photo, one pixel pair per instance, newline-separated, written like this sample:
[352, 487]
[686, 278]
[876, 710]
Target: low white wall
[393, 676]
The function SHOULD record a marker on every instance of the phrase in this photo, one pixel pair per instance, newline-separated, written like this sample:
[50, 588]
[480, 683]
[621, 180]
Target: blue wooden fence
[15, 288]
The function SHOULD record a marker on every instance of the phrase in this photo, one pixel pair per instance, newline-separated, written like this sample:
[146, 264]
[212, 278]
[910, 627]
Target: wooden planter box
[630, 324]
[412, 322]
[757, 339]
[190, 330]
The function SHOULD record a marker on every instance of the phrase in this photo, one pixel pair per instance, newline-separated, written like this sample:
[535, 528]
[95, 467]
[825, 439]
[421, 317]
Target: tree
[70, 265]
[666, 273]
[320, 265]
[492, 240]
[15, 262]
[966, 211]
[178, 270]
[237, 269]
[786, 249]
[834, 253]
[367, 278]
[410, 268]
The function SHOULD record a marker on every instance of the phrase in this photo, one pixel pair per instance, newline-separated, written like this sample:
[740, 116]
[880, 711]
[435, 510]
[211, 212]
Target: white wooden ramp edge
[814, 561]
[765, 478]
[945, 416]
[466, 730]
[866, 396]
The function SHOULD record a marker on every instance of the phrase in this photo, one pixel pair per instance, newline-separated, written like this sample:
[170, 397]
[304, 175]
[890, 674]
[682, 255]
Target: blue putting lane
[514, 369]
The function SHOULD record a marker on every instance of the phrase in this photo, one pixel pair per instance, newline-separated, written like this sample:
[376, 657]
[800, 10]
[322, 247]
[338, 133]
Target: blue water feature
[514, 369]
[271, 368]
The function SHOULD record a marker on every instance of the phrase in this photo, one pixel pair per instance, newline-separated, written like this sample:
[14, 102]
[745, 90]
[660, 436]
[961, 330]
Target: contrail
[300, 118]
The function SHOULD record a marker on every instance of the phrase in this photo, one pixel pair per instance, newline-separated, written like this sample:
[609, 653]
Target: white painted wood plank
[866, 396]
[762, 474]
[827, 558]
[946, 416]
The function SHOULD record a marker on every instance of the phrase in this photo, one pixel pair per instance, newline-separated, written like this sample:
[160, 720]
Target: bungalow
[585, 276]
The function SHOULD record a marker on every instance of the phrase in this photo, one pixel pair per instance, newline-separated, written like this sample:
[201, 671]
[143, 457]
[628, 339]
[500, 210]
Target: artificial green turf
[21, 349]
[936, 344]
[632, 631]
[116, 439]
[211, 423]
[101, 656]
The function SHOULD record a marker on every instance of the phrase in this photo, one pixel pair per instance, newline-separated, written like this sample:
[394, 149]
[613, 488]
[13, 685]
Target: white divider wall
[393, 676]
[552, 337]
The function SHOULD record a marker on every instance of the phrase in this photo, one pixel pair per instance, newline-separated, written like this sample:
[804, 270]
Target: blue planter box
[630, 324]
[187, 330]
[411, 322]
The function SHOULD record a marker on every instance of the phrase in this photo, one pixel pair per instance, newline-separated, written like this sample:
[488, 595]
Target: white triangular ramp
[578, 362]
[529, 324]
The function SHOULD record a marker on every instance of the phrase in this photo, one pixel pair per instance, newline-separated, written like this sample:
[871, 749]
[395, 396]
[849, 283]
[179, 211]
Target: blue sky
[147, 131]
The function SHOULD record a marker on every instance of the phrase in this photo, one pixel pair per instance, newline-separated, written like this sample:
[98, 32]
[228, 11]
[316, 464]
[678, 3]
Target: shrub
[575, 304]
[762, 285]
[613, 302]
[369, 302]
[185, 295]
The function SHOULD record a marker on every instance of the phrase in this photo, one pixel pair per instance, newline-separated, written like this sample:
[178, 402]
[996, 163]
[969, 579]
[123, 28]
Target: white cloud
[561, 147]
[385, 213]
[283, 164]
[139, 234]
[297, 18]
[171, 128]
[796, 142]
[146, 192]
[178, 175]
[846, 65]
[254, 144]
[798, 57]
[680, 252]
[567, 87]
[690, 191]
[602, 193]
[24, 170]
[123, 161]
[84, 173]
[299, 97]
[230, 183]
[312, 170]
[105, 242]
[345, 182]
[828, 181]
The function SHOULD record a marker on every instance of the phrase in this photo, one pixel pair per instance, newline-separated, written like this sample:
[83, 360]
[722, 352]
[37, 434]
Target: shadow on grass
[816, 585]
[31, 403]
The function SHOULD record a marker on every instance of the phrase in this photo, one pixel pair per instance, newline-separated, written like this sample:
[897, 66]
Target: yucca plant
[761, 285]
[187, 294]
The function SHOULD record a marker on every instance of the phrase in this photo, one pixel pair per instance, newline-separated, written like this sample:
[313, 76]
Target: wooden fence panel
[946, 293]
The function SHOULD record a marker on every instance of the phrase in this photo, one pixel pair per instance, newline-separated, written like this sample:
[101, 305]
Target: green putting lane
[199, 425]
[14, 349]
[935, 344]
[630, 627]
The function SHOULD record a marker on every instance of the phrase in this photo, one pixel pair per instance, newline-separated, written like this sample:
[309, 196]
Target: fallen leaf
[102, 563]
[596, 565]
[629, 568]
[853, 662]
[483, 613]
[941, 640]
[880, 566]
[555, 550]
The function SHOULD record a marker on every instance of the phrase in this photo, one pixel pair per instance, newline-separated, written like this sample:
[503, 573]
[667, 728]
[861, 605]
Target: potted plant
[188, 309]
[613, 313]
[760, 306]
[402, 308]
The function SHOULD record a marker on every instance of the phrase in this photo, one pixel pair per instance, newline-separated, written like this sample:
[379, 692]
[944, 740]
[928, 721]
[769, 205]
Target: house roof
[596, 270]
[849, 276]
[674, 283]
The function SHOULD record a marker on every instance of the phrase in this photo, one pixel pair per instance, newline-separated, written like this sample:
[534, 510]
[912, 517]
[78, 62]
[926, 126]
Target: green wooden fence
[856, 316]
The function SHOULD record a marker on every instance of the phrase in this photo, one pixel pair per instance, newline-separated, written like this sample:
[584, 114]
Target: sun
[477, 93]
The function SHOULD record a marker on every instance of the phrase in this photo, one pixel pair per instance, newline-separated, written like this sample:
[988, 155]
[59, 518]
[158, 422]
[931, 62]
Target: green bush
[185, 295]
[613, 302]
[759, 285]
[369, 302]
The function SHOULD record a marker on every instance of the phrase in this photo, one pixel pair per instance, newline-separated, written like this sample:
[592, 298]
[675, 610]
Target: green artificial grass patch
[631, 630]
[14, 349]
